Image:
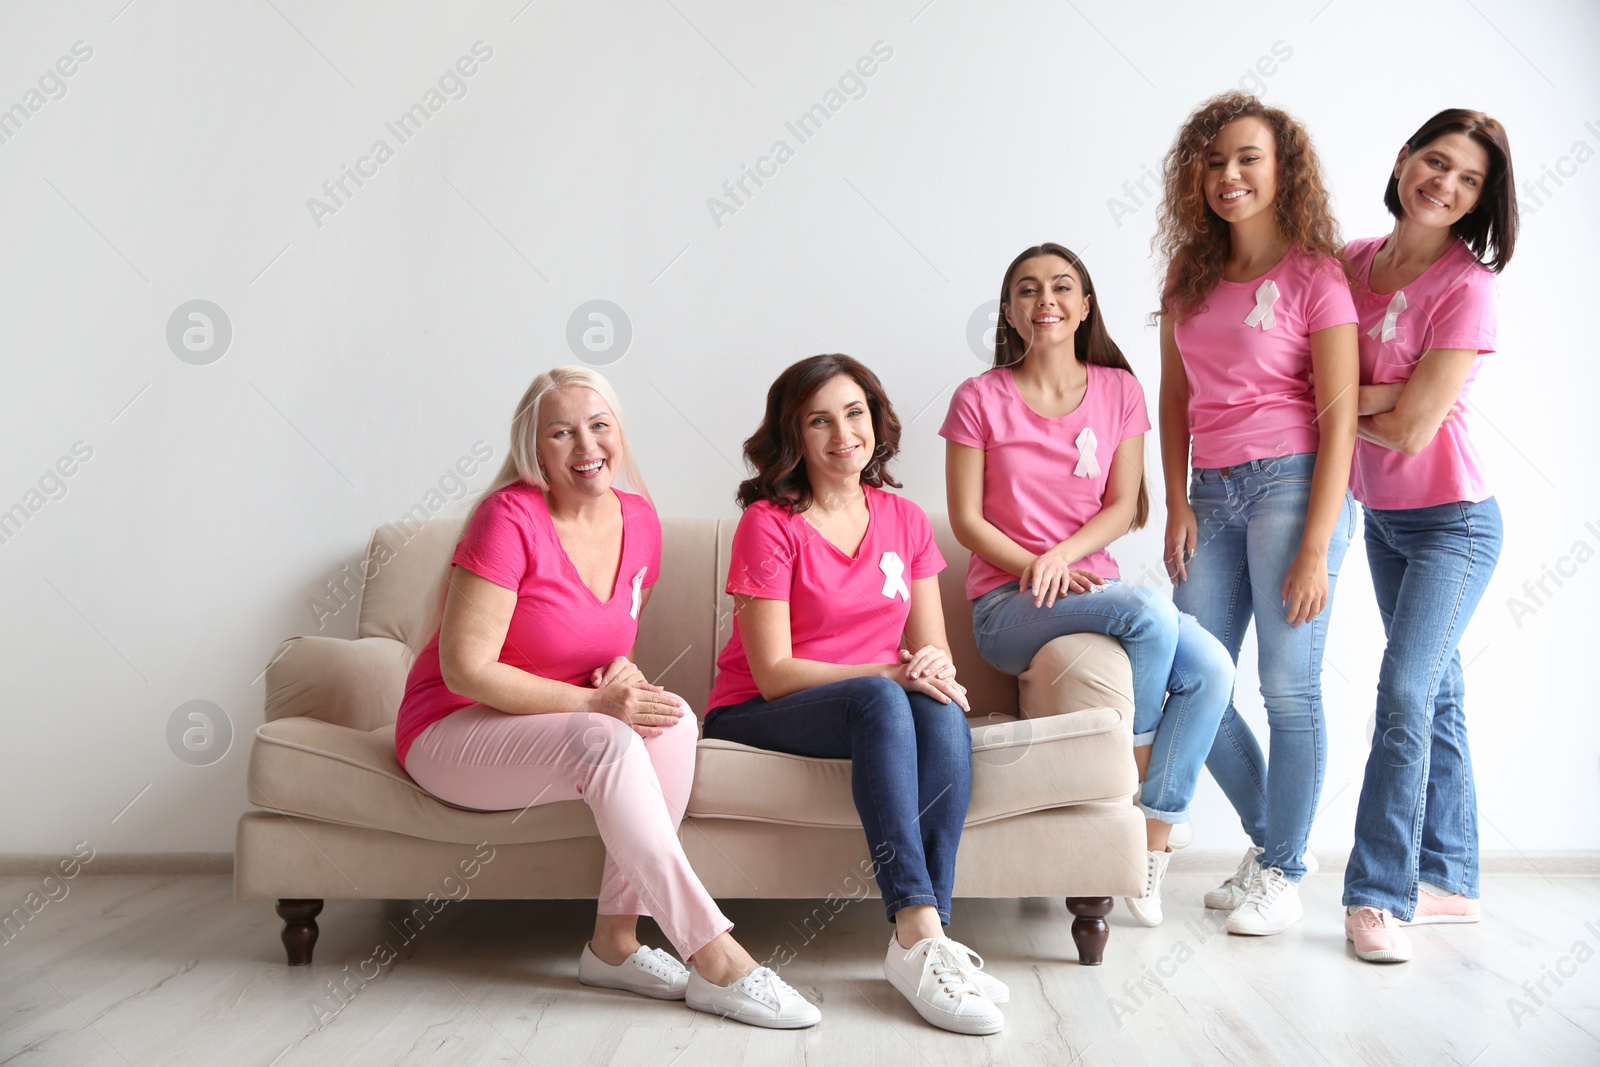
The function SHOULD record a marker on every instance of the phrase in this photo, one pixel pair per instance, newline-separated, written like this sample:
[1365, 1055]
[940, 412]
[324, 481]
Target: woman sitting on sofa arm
[526, 695]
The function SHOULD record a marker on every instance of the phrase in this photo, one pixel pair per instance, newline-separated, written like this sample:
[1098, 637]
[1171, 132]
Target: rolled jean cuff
[1171, 818]
[1144, 740]
[914, 900]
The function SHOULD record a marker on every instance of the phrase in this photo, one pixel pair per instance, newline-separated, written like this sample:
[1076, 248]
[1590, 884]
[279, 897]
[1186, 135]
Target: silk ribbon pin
[1088, 466]
[1385, 330]
[638, 592]
[1262, 315]
[894, 584]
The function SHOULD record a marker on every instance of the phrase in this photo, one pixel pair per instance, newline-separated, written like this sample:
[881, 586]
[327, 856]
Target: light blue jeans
[1251, 518]
[1418, 815]
[1182, 676]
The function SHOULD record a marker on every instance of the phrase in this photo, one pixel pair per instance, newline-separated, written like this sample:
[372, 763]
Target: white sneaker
[934, 977]
[649, 972]
[990, 986]
[1147, 909]
[1271, 907]
[760, 998]
[1230, 894]
[1182, 836]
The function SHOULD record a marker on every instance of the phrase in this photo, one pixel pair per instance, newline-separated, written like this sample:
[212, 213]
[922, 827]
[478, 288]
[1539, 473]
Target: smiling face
[1241, 176]
[1046, 302]
[579, 445]
[1441, 182]
[836, 434]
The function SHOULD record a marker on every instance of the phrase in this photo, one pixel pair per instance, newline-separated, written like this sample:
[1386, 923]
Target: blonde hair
[522, 462]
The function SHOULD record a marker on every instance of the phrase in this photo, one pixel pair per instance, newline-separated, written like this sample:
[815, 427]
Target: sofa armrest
[1075, 672]
[355, 683]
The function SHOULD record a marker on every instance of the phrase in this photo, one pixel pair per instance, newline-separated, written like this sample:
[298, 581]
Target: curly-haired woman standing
[1259, 375]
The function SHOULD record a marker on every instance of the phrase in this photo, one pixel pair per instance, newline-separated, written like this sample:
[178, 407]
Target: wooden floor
[142, 969]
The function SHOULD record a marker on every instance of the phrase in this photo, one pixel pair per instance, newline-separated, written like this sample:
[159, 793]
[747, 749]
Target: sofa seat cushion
[306, 767]
[1018, 766]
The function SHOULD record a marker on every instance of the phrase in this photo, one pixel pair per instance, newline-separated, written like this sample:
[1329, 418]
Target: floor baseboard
[1574, 864]
[37, 865]
[1579, 864]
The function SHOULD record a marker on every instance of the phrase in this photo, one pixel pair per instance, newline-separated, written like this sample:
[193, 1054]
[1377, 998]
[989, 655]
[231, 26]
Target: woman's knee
[1203, 660]
[685, 732]
[878, 704]
[944, 723]
[1153, 617]
[601, 740]
[877, 694]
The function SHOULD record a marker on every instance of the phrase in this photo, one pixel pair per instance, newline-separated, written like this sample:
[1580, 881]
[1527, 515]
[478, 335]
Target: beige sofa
[1051, 811]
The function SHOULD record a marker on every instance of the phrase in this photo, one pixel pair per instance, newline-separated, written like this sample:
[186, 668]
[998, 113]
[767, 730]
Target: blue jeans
[911, 772]
[1418, 815]
[1251, 518]
[1182, 676]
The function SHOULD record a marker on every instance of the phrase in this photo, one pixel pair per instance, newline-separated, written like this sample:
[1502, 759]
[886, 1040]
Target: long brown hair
[1493, 223]
[774, 451]
[1091, 343]
[1193, 240]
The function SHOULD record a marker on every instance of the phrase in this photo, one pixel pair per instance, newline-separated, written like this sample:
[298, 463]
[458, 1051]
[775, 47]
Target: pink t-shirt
[559, 628]
[841, 609]
[1452, 305]
[1248, 360]
[1043, 478]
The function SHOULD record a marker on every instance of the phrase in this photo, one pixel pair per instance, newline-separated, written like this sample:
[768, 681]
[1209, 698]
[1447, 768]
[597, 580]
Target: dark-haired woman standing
[829, 572]
[1044, 469]
[1426, 297]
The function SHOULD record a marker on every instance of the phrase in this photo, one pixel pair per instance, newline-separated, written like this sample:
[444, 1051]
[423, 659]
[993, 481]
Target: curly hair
[775, 453]
[1193, 241]
[1091, 343]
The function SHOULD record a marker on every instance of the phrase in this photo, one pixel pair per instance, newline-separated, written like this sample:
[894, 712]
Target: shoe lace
[662, 965]
[1245, 876]
[951, 968]
[968, 961]
[1265, 887]
[764, 984]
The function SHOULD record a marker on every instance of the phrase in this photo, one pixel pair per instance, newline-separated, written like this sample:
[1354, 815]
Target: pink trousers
[491, 760]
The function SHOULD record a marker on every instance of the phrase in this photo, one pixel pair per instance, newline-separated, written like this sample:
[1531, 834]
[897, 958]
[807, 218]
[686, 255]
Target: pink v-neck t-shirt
[1043, 478]
[559, 629]
[841, 609]
[1247, 357]
[1451, 305]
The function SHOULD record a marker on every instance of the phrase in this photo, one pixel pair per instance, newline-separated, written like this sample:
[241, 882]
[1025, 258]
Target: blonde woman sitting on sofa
[526, 695]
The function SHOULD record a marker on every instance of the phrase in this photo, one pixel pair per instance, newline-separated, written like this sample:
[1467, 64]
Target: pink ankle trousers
[490, 760]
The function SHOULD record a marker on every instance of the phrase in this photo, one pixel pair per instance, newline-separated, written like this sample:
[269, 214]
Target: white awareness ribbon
[1262, 315]
[1385, 330]
[1088, 466]
[638, 592]
[894, 584]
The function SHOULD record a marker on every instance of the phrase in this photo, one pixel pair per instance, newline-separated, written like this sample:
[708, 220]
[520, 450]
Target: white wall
[369, 352]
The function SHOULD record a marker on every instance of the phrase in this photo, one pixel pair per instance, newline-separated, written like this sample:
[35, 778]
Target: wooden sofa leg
[1089, 929]
[300, 928]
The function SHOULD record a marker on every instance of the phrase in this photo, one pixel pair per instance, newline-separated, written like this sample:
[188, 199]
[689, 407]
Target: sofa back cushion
[689, 618]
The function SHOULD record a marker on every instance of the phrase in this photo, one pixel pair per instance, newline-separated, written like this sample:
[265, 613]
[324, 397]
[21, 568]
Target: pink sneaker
[1377, 936]
[1454, 908]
